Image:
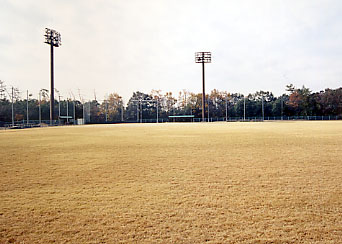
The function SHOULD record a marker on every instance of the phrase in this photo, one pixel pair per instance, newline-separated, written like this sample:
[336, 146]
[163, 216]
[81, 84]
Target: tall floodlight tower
[203, 57]
[53, 38]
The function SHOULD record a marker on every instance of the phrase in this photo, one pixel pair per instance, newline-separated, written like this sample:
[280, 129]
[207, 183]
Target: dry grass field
[272, 182]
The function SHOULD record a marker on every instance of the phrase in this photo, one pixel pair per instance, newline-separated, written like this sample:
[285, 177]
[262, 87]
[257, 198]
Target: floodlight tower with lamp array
[203, 57]
[53, 38]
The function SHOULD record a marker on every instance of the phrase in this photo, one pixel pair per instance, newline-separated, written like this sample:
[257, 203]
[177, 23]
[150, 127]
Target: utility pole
[263, 111]
[74, 105]
[74, 112]
[157, 110]
[59, 109]
[281, 102]
[40, 111]
[12, 106]
[43, 92]
[141, 112]
[208, 109]
[67, 108]
[244, 108]
[122, 111]
[83, 113]
[226, 108]
[137, 112]
[53, 38]
[203, 57]
[82, 101]
[89, 114]
[27, 108]
[106, 106]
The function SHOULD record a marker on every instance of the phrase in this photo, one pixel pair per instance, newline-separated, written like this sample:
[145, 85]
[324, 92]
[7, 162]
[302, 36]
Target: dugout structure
[181, 118]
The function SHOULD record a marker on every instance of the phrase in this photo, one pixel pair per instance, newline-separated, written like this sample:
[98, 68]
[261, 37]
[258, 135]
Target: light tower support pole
[52, 90]
[203, 92]
[12, 107]
[53, 38]
[203, 57]
[40, 111]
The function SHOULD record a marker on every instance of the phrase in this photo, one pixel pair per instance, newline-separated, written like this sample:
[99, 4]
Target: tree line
[144, 107]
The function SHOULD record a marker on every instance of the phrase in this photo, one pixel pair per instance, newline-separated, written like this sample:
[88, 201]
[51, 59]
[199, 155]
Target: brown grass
[272, 182]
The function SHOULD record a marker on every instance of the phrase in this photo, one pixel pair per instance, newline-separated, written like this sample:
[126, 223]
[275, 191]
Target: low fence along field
[271, 182]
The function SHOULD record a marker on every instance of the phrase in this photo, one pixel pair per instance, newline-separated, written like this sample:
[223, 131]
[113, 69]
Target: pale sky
[129, 45]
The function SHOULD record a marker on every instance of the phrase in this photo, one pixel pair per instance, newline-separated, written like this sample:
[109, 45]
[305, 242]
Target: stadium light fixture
[203, 57]
[52, 38]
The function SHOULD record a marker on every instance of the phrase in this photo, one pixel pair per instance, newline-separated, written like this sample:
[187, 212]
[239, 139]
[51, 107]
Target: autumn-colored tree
[329, 102]
[169, 102]
[299, 101]
[112, 107]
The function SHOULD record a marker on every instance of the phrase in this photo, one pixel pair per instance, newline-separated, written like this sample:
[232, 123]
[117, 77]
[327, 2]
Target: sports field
[271, 182]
